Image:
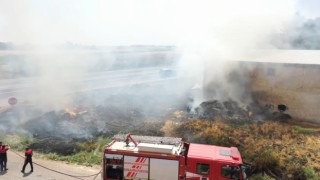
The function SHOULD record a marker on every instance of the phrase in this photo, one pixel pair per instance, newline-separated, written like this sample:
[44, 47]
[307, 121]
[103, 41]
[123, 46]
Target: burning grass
[278, 149]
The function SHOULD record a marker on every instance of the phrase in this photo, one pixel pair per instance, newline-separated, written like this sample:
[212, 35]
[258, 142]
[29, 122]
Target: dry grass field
[277, 149]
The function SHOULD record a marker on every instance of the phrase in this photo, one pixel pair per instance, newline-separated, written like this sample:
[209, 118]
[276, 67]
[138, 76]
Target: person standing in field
[1, 158]
[5, 148]
[28, 159]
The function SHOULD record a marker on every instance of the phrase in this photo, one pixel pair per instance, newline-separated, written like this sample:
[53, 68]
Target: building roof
[271, 55]
[216, 153]
[281, 56]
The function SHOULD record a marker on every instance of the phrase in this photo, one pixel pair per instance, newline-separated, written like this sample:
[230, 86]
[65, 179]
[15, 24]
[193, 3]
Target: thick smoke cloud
[207, 34]
[301, 33]
[224, 31]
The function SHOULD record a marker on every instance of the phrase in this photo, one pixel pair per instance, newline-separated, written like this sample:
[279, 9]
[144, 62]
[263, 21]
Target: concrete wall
[295, 85]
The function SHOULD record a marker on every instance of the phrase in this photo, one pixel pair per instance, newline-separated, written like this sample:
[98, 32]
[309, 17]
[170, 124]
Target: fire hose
[59, 172]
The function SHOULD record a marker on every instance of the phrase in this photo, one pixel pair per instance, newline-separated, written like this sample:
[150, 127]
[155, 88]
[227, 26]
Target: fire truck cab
[131, 157]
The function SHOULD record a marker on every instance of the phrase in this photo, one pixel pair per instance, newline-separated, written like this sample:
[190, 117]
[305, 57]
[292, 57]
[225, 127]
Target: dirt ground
[15, 163]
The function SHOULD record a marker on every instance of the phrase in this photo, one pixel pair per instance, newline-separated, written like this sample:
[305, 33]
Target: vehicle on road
[166, 73]
[131, 157]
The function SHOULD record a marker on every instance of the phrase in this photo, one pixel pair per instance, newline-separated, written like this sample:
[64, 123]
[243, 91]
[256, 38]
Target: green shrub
[305, 131]
[310, 174]
[83, 157]
[266, 160]
[90, 152]
[18, 142]
[52, 156]
[261, 177]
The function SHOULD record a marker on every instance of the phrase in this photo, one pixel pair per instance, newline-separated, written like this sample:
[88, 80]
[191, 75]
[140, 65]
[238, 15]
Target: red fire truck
[131, 157]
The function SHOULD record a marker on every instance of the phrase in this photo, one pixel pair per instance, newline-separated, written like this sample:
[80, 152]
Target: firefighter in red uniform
[3, 156]
[28, 159]
[5, 148]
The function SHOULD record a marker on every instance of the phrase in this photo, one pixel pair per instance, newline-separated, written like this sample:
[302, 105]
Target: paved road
[22, 88]
[15, 163]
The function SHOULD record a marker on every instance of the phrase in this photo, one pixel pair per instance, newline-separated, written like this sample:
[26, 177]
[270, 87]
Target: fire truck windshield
[235, 172]
[231, 172]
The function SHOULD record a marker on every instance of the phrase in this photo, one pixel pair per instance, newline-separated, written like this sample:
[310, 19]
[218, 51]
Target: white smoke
[206, 32]
[215, 32]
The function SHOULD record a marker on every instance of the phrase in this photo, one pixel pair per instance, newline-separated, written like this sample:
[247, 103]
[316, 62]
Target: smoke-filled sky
[126, 22]
[206, 32]
[309, 8]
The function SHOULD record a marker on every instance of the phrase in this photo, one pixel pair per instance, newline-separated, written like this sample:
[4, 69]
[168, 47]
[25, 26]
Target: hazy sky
[309, 8]
[110, 22]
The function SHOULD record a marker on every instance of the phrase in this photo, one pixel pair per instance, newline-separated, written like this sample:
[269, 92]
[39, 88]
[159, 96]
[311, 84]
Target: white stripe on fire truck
[137, 167]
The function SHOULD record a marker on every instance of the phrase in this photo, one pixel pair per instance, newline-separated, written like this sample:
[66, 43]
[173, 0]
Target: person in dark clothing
[1, 158]
[28, 159]
[4, 149]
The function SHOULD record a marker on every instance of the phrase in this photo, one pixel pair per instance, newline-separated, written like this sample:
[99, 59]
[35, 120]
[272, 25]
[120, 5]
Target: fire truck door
[229, 171]
[199, 170]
